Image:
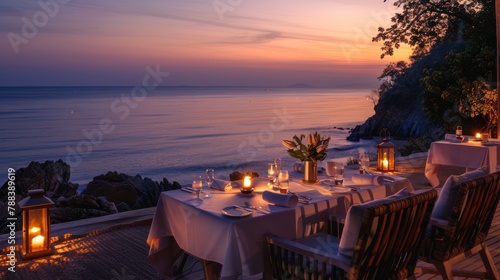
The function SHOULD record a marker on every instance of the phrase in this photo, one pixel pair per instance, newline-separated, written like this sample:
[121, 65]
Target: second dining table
[235, 242]
[471, 155]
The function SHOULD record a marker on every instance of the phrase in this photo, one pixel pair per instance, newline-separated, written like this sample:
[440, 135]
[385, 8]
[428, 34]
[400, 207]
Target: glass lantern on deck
[36, 224]
[386, 152]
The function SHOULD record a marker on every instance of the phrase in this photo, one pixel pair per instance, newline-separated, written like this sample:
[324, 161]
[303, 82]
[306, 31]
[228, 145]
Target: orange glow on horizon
[102, 41]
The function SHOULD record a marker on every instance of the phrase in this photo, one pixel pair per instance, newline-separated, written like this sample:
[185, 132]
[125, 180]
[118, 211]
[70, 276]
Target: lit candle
[385, 164]
[37, 242]
[35, 230]
[478, 136]
[247, 183]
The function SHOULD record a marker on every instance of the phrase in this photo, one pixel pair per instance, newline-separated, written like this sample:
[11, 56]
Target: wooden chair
[389, 235]
[463, 234]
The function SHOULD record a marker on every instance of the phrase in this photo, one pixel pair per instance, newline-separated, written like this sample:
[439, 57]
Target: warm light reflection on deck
[60, 245]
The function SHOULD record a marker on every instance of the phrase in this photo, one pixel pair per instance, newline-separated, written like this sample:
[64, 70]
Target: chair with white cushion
[380, 240]
[460, 224]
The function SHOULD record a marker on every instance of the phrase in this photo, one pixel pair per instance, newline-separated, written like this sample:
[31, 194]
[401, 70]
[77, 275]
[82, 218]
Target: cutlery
[367, 172]
[303, 201]
[187, 189]
[256, 208]
[242, 208]
[300, 196]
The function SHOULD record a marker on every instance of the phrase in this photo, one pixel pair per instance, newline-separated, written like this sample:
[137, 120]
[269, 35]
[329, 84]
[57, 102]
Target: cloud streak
[123, 34]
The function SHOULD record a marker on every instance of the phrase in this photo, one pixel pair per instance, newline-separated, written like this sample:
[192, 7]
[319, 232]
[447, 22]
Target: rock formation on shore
[106, 194]
[400, 108]
[128, 192]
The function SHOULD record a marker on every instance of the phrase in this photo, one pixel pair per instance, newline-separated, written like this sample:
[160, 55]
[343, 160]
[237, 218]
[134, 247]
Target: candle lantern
[247, 186]
[36, 224]
[386, 151]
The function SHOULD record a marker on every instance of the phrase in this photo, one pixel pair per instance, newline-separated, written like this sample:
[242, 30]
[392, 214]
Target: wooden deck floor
[474, 262]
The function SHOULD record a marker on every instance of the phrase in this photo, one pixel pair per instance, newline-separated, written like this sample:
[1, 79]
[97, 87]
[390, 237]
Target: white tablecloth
[236, 243]
[471, 155]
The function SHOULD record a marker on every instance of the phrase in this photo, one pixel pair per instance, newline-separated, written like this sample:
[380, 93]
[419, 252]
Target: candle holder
[479, 136]
[247, 185]
[36, 224]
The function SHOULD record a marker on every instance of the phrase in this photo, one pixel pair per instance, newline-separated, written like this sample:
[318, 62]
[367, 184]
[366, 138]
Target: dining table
[470, 155]
[211, 230]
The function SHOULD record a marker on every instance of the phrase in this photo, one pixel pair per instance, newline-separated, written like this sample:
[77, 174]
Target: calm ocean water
[174, 133]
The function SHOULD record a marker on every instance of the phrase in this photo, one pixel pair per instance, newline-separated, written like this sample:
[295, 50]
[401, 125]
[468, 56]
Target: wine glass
[282, 178]
[279, 164]
[197, 184]
[272, 171]
[210, 179]
[364, 161]
[458, 132]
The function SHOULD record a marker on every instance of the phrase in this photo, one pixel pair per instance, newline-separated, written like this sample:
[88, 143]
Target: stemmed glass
[364, 161]
[197, 184]
[272, 171]
[279, 164]
[458, 132]
[210, 179]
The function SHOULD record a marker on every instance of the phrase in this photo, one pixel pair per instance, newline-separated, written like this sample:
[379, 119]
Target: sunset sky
[200, 43]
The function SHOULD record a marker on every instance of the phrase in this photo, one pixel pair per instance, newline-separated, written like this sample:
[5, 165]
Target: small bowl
[246, 191]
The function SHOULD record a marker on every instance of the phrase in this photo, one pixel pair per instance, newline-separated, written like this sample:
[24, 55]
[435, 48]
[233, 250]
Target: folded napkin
[285, 200]
[394, 181]
[369, 179]
[223, 185]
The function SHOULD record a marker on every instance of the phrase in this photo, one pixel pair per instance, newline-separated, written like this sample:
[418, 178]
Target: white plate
[340, 190]
[232, 211]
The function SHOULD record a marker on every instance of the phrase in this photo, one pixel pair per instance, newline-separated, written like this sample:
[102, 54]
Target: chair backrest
[470, 219]
[390, 236]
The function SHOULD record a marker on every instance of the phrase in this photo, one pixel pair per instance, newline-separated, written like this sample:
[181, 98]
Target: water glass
[283, 178]
[338, 173]
[210, 179]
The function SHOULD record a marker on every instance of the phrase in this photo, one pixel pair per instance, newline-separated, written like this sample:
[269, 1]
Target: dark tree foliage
[422, 23]
[458, 88]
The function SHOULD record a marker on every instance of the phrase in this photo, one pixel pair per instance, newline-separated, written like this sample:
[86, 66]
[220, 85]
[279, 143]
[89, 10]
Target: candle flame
[247, 181]
[35, 230]
[37, 242]
[385, 163]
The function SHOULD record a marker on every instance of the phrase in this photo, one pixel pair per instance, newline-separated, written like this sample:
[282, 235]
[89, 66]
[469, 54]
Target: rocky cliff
[400, 108]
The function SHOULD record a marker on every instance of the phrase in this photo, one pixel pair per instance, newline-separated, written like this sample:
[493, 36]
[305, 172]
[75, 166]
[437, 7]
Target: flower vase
[310, 172]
